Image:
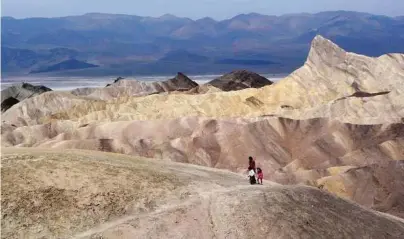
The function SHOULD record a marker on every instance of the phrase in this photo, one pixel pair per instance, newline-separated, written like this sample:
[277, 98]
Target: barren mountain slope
[122, 87]
[332, 82]
[238, 80]
[275, 142]
[379, 186]
[87, 194]
[289, 151]
[19, 92]
[338, 113]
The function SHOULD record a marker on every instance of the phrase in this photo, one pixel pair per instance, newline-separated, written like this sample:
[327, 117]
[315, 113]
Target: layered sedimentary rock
[122, 87]
[277, 143]
[378, 185]
[19, 92]
[288, 151]
[335, 115]
[332, 83]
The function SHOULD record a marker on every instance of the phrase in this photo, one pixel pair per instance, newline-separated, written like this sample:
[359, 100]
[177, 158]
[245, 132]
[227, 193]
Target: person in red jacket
[260, 175]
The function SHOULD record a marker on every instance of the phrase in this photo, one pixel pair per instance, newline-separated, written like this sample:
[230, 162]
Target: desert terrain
[47, 193]
[329, 138]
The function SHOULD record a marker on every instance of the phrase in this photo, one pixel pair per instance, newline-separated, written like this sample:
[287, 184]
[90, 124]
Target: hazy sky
[218, 9]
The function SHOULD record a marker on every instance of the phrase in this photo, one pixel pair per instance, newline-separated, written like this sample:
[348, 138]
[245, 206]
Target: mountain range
[115, 44]
[329, 139]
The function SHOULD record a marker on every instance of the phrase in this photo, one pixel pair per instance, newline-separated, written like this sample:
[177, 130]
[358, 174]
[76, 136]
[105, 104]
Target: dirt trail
[86, 194]
[167, 208]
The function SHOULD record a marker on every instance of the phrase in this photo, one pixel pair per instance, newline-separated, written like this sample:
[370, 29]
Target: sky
[194, 9]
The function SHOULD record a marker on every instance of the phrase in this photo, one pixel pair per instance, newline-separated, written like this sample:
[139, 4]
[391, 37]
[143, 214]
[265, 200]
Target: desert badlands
[168, 159]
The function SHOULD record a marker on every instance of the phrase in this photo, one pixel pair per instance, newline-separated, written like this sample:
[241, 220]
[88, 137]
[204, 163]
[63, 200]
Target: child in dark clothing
[260, 175]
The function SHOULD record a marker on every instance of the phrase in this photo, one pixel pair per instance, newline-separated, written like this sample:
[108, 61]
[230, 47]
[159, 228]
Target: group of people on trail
[255, 174]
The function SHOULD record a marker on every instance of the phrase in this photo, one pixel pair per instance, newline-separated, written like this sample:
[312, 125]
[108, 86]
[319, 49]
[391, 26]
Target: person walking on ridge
[251, 176]
[251, 164]
[252, 170]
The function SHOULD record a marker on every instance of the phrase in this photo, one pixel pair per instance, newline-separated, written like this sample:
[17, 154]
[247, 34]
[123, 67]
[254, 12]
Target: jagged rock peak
[240, 79]
[182, 81]
[34, 88]
[323, 50]
[118, 79]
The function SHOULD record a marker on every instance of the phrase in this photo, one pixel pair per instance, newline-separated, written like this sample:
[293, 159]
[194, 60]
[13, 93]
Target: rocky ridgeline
[19, 92]
[338, 115]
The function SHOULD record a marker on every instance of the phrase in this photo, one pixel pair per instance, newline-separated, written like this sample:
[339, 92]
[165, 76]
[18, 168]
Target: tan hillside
[122, 87]
[87, 194]
[329, 75]
[289, 151]
[336, 123]
[275, 142]
[378, 186]
[19, 92]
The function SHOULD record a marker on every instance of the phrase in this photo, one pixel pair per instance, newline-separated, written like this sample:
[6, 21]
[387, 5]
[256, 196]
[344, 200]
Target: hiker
[251, 175]
[251, 163]
[260, 175]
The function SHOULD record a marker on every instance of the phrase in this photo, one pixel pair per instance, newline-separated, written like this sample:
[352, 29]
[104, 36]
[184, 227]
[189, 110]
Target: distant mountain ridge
[126, 44]
[71, 64]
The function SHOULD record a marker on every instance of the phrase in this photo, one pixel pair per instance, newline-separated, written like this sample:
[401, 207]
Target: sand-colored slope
[289, 151]
[19, 92]
[53, 193]
[378, 186]
[275, 142]
[329, 74]
[122, 87]
[338, 112]
[48, 106]
[359, 108]
[86, 194]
